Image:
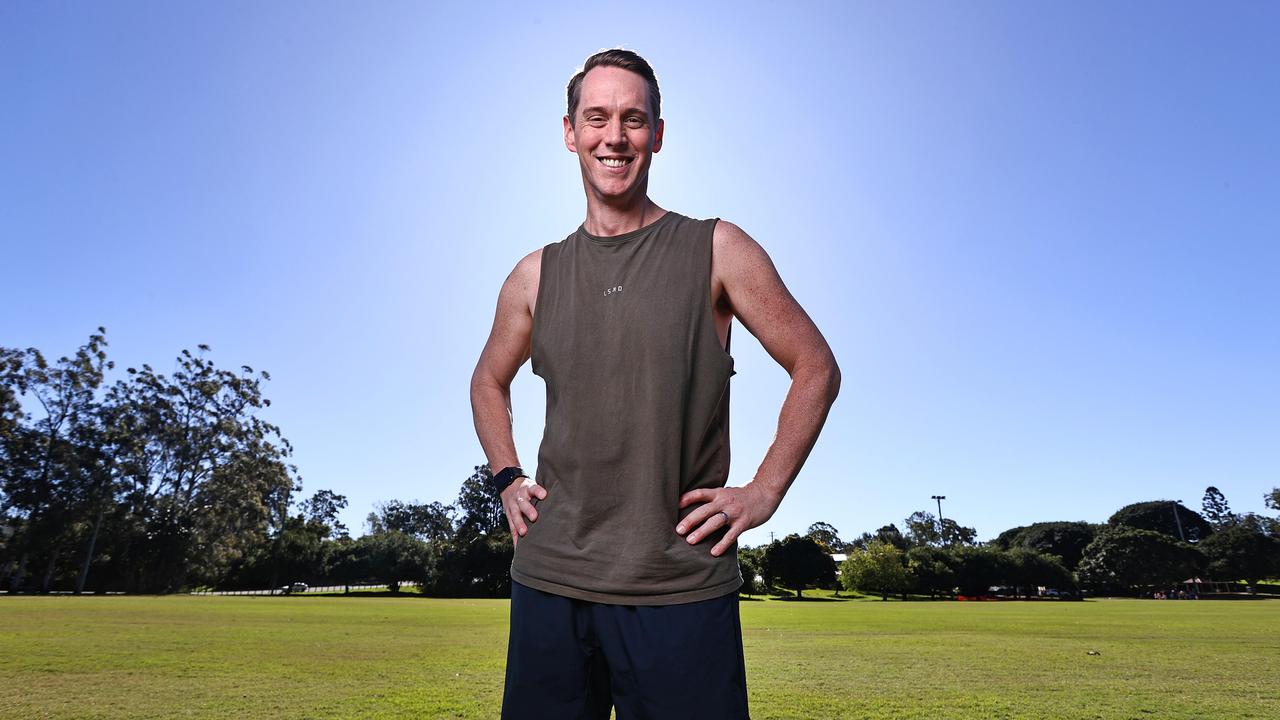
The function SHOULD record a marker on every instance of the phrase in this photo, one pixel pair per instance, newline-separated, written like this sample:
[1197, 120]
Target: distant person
[625, 574]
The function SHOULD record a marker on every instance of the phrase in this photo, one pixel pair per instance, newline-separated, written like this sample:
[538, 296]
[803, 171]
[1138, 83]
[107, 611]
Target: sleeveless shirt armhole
[728, 338]
[537, 306]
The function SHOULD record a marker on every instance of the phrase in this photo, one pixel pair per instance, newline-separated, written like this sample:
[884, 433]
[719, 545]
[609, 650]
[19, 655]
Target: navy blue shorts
[571, 659]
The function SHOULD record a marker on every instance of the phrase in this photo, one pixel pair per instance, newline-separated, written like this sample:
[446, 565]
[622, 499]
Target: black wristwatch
[505, 477]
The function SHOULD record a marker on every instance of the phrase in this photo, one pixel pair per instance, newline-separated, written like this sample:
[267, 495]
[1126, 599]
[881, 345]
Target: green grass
[373, 657]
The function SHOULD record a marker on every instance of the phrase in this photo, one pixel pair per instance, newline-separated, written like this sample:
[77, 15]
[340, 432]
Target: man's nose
[614, 134]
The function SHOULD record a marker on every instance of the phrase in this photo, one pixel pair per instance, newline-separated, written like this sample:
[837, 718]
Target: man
[625, 573]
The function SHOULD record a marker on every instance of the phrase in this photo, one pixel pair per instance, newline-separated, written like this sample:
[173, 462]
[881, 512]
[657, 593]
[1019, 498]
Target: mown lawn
[375, 657]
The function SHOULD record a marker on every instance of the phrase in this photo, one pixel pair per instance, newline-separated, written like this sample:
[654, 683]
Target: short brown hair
[627, 60]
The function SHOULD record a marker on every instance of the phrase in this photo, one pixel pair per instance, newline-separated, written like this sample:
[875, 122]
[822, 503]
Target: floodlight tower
[939, 498]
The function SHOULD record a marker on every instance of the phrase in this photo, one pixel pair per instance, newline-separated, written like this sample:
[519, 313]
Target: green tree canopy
[797, 561]
[1029, 569]
[480, 506]
[323, 508]
[1164, 516]
[1242, 552]
[1067, 540]
[978, 569]
[1135, 560]
[826, 536]
[931, 571]
[425, 521]
[888, 534]
[879, 568]
[1215, 508]
[925, 529]
[749, 562]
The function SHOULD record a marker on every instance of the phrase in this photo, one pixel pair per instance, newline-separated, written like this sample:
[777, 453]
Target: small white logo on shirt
[612, 290]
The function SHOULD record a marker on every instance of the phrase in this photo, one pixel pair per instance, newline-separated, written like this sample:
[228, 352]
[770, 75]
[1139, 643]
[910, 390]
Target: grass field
[375, 657]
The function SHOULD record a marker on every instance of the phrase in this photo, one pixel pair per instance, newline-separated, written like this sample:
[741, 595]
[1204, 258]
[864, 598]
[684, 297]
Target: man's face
[613, 133]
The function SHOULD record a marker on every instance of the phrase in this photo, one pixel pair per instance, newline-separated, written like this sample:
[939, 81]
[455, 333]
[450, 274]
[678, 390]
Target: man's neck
[604, 220]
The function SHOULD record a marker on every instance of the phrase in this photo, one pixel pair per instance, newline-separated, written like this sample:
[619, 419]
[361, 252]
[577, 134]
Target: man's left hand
[740, 508]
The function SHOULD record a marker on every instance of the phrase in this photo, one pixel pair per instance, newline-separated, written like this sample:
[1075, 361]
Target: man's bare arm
[504, 353]
[761, 301]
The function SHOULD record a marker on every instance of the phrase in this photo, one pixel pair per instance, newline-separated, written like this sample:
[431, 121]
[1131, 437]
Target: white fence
[311, 589]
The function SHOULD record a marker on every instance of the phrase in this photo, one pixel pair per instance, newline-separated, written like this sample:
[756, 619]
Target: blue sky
[1041, 239]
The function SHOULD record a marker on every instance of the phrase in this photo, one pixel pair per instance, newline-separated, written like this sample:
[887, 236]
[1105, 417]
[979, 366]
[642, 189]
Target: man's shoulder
[730, 240]
[528, 268]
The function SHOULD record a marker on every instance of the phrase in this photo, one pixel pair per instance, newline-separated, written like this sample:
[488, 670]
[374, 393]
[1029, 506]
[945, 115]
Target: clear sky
[1042, 239]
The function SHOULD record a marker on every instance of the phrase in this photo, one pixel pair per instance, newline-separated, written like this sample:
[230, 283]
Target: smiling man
[625, 574]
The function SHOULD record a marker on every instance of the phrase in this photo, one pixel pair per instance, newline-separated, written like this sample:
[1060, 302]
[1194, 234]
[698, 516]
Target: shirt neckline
[624, 237]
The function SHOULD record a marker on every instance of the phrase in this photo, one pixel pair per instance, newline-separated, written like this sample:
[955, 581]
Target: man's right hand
[518, 502]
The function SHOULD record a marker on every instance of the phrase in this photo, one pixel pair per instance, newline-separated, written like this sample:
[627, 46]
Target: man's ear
[568, 136]
[657, 136]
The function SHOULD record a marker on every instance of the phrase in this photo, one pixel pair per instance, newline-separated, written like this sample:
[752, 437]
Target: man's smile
[615, 162]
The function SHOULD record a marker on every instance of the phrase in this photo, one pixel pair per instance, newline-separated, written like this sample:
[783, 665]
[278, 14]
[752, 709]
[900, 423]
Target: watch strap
[506, 476]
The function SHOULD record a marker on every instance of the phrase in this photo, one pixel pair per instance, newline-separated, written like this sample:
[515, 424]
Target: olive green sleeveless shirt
[637, 415]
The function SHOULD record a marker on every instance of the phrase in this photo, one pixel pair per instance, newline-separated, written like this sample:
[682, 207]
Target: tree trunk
[48, 572]
[21, 573]
[88, 557]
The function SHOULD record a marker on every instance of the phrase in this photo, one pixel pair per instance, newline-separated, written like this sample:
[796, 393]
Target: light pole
[939, 498]
[1178, 520]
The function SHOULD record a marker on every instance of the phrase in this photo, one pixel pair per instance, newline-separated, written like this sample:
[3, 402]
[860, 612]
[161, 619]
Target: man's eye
[635, 121]
[596, 120]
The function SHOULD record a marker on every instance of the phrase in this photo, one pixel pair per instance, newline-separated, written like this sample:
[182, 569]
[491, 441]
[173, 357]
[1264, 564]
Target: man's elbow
[832, 370]
[821, 374]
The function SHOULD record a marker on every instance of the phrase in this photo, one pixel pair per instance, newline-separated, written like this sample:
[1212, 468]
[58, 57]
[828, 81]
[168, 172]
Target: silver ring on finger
[520, 499]
[727, 520]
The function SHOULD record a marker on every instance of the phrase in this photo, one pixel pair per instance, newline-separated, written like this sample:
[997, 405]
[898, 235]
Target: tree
[1067, 540]
[1009, 538]
[480, 506]
[385, 558]
[1135, 560]
[797, 561]
[150, 484]
[1164, 516]
[879, 568]
[978, 569]
[475, 566]
[923, 529]
[476, 560]
[930, 570]
[954, 533]
[1242, 552]
[1216, 510]
[826, 536]
[1272, 499]
[51, 481]
[296, 552]
[203, 471]
[323, 508]
[429, 521]
[749, 560]
[890, 534]
[1029, 569]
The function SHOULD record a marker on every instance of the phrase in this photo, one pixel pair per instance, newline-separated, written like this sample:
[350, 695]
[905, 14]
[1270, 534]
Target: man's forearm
[814, 387]
[491, 412]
